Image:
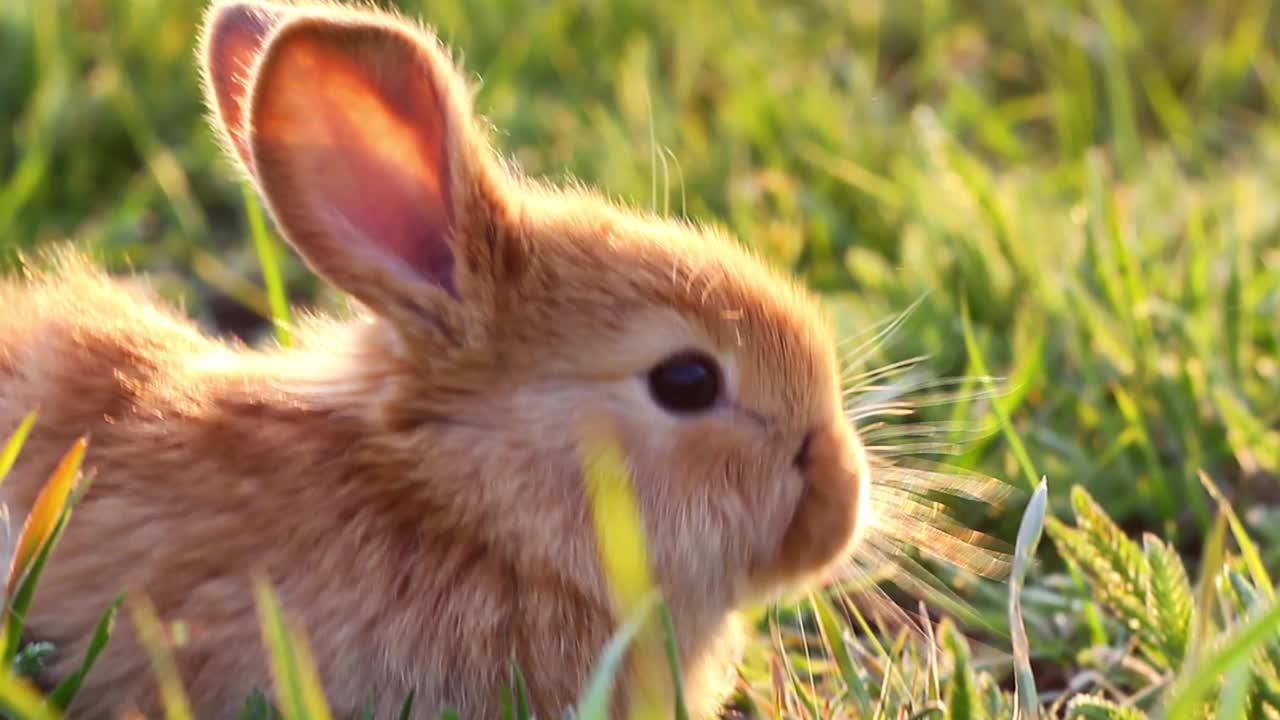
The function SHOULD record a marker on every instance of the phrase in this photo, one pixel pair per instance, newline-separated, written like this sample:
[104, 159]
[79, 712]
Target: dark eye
[687, 382]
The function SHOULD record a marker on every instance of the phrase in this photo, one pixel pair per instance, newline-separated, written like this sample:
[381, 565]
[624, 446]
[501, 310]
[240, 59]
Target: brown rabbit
[409, 481]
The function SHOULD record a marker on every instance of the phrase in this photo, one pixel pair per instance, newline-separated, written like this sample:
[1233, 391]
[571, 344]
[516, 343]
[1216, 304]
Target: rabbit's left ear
[234, 34]
[361, 139]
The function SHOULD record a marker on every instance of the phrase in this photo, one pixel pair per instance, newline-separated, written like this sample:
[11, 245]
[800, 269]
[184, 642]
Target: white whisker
[957, 482]
[917, 542]
[961, 432]
[868, 377]
[863, 350]
[916, 448]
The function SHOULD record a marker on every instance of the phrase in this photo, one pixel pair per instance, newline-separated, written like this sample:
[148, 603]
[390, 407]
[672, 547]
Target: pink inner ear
[400, 207]
[361, 133]
[416, 236]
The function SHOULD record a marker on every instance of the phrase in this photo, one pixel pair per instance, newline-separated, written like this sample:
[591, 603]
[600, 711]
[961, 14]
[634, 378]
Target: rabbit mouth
[830, 514]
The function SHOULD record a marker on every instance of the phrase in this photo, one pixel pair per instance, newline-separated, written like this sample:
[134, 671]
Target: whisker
[863, 350]
[956, 546]
[844, 344]
[918, 545]
[899, 409]
[902, 389]
[918, 582]
[913, 475]
[876, 603]
[948, 394]
[961, 432]
[867, 377]
[905, 516]
[917, 448]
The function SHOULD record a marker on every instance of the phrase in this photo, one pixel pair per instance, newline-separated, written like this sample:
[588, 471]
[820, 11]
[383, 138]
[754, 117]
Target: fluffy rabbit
[409, 480]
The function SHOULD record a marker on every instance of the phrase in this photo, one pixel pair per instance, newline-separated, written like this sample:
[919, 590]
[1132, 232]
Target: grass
[1078, 196]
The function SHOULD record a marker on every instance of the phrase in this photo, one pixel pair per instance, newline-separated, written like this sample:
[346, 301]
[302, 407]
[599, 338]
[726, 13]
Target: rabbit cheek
[831, 511]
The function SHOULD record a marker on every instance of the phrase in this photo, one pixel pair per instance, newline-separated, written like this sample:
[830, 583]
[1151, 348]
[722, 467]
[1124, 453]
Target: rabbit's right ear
[235, 32]
[363, 144]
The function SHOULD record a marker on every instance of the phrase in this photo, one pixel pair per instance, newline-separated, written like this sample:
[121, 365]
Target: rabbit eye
[686, 382]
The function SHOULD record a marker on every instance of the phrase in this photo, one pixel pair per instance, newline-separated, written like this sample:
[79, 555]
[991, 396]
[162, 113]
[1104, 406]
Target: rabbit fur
[408, 478]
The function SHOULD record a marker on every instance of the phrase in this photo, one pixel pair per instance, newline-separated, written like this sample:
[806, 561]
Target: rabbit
[408, 476]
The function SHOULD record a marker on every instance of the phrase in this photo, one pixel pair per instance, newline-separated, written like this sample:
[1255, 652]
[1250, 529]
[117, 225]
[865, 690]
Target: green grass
[1080, 197]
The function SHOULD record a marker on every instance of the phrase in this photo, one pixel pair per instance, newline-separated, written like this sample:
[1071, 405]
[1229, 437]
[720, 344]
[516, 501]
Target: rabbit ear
[234, 34]
[364, 147]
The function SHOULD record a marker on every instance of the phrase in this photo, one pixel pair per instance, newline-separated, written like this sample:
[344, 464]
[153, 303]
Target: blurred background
[1096, 182]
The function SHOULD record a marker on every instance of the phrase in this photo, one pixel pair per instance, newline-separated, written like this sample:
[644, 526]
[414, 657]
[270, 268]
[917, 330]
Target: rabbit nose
[802, 457]
[829, 453]
[830, 513]
[833, 507]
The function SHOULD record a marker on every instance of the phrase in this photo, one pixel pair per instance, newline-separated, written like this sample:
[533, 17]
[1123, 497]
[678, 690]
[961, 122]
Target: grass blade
[1029, 534]
[297, 683]
[1211, 561]
[14, 444]
[46, 512]
[406, 709]
[595, 701]
[619, 531]
[1199, 678]
[257, 707]
[17, 604]
[152, 637]
[269, 260]
[673, 661]
[961, 694]
[66, 690]
[624, 557]
[20, 700]
[1251, 557]
[1006, 425]
[1233, 698]
[40, 533]
[829, 628]
[515, 698]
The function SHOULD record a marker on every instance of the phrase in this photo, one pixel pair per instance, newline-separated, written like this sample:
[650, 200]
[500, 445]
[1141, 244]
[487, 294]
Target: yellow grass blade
[151, 635]
[46, 511]
[619, 532]
[20, 700]
[624, 557]
[13, 445]
[298, 691]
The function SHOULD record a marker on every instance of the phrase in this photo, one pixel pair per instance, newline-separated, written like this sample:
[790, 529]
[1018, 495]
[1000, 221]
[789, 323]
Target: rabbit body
[409, 479]
[212, 462]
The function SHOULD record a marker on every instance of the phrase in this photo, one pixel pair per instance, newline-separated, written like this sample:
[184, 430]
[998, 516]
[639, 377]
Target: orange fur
[409, 480]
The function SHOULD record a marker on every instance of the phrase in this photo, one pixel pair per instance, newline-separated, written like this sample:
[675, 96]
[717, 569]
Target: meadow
[1067, 213]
